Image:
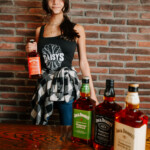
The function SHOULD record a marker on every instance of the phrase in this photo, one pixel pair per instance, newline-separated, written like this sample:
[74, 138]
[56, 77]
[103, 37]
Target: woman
[56, 42]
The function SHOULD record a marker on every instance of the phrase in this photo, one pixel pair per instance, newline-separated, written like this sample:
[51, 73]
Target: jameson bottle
[131, 123]
[83, 109]
[105, 118]
[34, 64]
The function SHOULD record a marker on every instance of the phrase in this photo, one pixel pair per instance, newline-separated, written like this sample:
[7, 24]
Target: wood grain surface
[30, 137]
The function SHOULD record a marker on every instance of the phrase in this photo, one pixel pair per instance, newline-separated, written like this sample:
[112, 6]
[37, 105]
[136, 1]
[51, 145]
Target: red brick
[6, 2]
[83, 6]
[123, 43]
[138, 79]
[138, 65]
[110, 64]
[96, 42]
[11, 39]
[7, 102]
[144, 44]
[124, 29]
[112, 21]
[26, 32]
[13, 10]
[92, 49]
[122, 71]
[33, 25]
[22, 75]
[143, 58]
[6, 46]
[101, 1]
[143, 72]
[6, 18]
[96, 28]
[98, 70]
[28, 3]
[6, 74]
[112, 7]
[112, 36]
[125, 1]
[138, 51]
[139, 22]
[125, 15]
[7, 60]
[121, 58]
[138, 37]
[138, 8]
[11, 67]
[21, 61]
[76, 13]
[116, 78]
[6, 32]
[91, 35]
[12, 54]
[145, 1]
[7, 89]
[144, 30]
[17, 25]
[31, 82]
[25, 89]
[16, 95]
[8, 115]
[36, 11]
[85, 20]
[145, 15]
[12, 82]
[14, 109]
[33, 18]
[100, 14]
[97, 57]
[111, 50]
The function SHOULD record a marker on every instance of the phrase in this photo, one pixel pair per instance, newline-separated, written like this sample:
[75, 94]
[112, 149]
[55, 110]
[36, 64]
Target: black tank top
[55, 52]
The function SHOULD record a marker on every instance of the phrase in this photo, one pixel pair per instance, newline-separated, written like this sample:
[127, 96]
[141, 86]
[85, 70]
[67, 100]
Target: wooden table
[30, 137]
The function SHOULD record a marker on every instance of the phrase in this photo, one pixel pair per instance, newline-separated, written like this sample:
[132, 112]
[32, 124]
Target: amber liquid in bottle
[34, 64]
[104, 119]
[131, 123]
[83, 112]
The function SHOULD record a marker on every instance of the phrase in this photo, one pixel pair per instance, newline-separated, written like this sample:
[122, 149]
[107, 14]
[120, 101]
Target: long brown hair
[66, 27]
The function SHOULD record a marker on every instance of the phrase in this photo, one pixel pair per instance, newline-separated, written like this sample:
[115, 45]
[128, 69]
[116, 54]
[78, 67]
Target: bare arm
[84, 65]
[33, 46]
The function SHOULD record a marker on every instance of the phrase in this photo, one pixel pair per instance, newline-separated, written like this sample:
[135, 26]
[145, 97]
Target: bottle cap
[133, 87]
[32, 40]
[85, 79]
[109, 83]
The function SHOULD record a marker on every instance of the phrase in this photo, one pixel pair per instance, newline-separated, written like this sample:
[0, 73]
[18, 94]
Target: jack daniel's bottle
[34, 64]
[104, 119]
[131, 123]
[83, 109]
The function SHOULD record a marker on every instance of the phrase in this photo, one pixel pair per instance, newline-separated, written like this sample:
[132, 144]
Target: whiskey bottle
[83, 109]
[131, 123]
[34, 64]
[105, 118]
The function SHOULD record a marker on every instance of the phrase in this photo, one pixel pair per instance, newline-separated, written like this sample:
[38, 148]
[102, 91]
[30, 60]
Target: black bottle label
[104, 131]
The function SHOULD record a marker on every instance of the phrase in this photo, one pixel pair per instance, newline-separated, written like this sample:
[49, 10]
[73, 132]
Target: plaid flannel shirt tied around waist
[62, 85]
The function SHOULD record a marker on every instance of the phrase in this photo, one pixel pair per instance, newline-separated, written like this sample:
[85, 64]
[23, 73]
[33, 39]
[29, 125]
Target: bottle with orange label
[34, 64]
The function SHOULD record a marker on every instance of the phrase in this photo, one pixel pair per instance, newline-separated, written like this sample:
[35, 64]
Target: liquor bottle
[130, 123]
[34, 64]
[105, 118]
[83, 112]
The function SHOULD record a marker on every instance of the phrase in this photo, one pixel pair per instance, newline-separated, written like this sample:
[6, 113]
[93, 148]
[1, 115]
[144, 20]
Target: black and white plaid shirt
[62, 85]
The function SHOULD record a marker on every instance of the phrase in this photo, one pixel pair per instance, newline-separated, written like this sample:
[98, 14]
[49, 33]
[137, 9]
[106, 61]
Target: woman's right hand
[31, 47]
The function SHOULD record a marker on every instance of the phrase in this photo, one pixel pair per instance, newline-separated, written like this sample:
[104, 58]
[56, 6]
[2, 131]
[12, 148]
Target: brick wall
[118, 47]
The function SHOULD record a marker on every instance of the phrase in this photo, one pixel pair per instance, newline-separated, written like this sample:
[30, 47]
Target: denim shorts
[65, 111]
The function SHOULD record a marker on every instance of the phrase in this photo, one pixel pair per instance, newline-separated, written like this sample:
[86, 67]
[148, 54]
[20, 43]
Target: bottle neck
[132, 101]
[85, 90]
[109, 94]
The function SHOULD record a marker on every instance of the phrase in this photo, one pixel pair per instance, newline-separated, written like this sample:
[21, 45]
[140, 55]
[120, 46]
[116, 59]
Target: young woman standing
[56, 42]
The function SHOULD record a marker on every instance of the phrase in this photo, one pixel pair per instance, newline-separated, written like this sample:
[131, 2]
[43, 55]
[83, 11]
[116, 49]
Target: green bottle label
[82, 122]
[85, 88]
